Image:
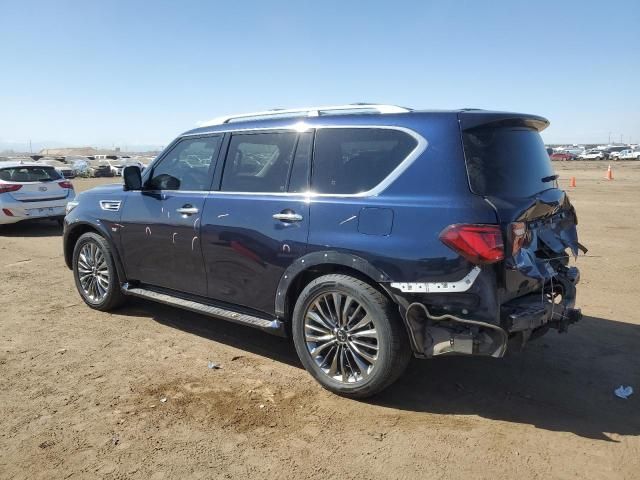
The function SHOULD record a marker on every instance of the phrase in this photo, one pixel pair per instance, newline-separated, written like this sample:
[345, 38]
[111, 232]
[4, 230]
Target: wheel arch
[313, 265]
[76, 230]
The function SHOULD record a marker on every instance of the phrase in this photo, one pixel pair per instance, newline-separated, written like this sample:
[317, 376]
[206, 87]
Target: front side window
[355, 160]
[258, 162]
[187, 166]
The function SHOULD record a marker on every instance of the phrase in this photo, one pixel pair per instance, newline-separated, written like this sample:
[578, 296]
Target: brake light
[9, 187]
[476, 243]
[518, 236]
[66, 184]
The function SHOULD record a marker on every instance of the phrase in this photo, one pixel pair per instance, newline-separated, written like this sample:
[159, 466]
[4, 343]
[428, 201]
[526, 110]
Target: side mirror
[132, 178]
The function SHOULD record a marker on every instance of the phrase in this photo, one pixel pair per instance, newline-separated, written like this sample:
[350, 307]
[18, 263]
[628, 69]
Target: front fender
[73, 229]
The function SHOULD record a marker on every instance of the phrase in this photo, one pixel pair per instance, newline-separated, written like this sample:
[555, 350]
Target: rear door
[160, 237]
[257, 224]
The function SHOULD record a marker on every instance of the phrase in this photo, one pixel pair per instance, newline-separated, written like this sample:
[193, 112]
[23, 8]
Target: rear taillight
[66, 184]
[9, 187]
[7, 212]
[518, 236]
[476, 243]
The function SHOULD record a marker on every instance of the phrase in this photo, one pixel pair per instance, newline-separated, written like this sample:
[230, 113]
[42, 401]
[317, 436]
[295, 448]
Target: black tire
[114, 296]
[394, 351]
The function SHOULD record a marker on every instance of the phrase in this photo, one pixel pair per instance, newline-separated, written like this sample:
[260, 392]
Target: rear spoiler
[471, 119]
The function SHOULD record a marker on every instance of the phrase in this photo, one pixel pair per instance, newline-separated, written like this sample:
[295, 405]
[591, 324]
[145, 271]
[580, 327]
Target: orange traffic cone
[572, 182]
[609, 175]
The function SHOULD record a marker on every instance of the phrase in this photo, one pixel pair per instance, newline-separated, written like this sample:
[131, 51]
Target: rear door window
[355, 160]
[29, 174]
[507, 162]
[258, 162]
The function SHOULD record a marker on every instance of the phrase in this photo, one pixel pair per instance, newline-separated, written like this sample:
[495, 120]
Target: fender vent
[110, 205]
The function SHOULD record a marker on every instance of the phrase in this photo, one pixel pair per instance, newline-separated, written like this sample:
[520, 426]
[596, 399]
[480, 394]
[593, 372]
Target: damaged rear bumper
[436, 332]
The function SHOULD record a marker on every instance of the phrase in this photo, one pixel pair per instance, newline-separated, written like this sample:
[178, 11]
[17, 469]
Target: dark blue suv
[369, 233]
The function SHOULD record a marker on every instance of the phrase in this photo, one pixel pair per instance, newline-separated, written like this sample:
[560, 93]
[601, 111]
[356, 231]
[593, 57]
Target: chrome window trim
[300, 127]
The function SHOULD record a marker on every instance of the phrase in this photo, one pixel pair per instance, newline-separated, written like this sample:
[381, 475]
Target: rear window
[507, 161]
[354, 160]
[29, 174]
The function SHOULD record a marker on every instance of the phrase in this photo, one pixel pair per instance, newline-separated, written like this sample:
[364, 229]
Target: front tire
[349, 336]
[95, 273]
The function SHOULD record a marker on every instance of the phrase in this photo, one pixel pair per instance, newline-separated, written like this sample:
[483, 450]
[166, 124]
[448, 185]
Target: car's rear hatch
[34, 183]
[508, 165]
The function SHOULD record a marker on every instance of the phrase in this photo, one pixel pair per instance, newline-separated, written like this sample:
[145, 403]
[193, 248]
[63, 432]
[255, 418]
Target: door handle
[187, 210]
[288, 217]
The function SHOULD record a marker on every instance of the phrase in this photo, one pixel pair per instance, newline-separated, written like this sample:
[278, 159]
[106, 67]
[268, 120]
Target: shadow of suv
[366, 232]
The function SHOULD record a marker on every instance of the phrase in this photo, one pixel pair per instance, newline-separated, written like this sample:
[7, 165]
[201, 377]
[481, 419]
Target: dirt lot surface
[86, 394]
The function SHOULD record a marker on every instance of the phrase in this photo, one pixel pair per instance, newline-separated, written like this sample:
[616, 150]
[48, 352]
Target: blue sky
[138, 73]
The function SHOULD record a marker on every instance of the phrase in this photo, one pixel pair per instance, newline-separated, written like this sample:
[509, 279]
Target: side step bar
[273, 326]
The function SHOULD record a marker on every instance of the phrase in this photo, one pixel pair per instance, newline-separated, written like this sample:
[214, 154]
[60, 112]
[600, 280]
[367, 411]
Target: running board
[274, 326]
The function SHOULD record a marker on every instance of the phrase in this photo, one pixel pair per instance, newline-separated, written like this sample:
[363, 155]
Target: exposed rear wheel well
[307, 276]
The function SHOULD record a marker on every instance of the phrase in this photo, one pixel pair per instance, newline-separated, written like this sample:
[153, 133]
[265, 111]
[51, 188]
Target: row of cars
[617, 152]
[72, 167]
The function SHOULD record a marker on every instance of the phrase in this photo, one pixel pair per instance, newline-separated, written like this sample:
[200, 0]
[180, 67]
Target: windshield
[507, 162]
[29, 174]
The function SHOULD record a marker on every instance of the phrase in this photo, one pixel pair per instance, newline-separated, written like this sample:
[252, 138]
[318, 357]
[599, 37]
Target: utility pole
[30, 147]
[609, 138]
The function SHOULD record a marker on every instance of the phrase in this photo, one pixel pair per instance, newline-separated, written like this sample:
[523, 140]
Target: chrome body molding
[440, 287]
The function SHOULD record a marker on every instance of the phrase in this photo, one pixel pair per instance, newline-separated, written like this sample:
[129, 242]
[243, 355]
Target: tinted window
[258, 162]
[353, 160]
[299, 181]
[186, 166]
[29, 174]
[508, 161]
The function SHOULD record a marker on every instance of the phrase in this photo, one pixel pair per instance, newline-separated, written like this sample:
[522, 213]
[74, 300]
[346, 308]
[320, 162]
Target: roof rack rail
[309, 112]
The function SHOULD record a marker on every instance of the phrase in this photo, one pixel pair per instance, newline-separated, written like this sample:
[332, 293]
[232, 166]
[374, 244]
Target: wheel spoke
[366, 333]
[321, 348]
[356, 351]
[364, 321]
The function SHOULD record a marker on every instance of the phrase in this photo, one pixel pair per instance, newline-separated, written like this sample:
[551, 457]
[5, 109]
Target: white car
[629, 155]
[63, 169]
[32, 190]
[591, 155]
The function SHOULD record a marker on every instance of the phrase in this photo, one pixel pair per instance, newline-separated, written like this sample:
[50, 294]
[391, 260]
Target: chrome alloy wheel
[341, 337]
[93, 272]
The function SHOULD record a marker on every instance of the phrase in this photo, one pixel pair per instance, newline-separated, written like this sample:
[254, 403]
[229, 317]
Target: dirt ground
[81, 392]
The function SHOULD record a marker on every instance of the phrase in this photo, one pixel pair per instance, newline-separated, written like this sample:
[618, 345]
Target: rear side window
[29, 174]
[258, 162]
[507, 161]
[354, 160]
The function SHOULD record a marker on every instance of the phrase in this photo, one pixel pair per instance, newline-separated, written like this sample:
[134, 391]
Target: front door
[257, 224]
[160, 234]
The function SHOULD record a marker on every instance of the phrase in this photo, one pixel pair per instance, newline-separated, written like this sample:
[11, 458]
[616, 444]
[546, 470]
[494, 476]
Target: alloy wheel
[341, 337]
[93, 272]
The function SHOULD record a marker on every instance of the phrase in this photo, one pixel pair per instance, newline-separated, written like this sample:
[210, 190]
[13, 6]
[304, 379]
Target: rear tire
[359, 348]
[95, 273]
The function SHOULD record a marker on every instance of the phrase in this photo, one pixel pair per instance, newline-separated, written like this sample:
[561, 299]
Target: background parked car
[564, 156]
[32, 190]
[629, 155]
[591, 155]
[100, 168]
[63, 169]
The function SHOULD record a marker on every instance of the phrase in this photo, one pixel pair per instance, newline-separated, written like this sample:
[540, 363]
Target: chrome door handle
[187, 210]
[288, 217]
